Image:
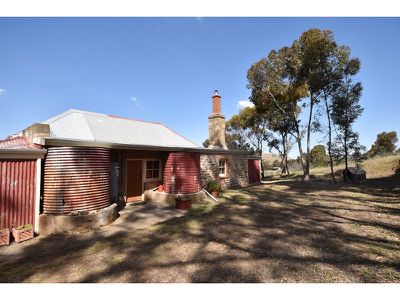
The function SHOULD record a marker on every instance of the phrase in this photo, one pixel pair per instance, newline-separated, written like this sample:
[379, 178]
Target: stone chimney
[216, 125]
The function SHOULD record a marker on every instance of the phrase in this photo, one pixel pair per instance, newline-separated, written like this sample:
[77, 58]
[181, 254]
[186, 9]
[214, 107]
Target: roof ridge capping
[70, 111]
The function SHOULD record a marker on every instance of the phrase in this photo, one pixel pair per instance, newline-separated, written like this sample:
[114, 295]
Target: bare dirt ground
[287, 231]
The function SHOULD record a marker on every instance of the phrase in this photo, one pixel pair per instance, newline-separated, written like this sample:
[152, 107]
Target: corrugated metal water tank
[182, 173]
[76, 179]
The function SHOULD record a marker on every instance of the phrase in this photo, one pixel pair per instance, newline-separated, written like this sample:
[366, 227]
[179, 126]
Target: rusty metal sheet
[76, 179]
[17, 192]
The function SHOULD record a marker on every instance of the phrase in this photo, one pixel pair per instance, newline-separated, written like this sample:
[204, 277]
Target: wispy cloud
[2, 91]
[244, 103]
[136, 101]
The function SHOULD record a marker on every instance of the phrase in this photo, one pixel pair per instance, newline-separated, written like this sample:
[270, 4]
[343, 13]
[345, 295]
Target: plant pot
[214, 194]
[183, 204]
[21, 235]
[4, 237]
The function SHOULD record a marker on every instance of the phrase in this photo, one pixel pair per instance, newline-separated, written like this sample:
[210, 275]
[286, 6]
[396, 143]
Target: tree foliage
[313, 73]
[206, 143]
[345, 111]
[318, 157]
[385, 144]
[276, 95]
[247, 130]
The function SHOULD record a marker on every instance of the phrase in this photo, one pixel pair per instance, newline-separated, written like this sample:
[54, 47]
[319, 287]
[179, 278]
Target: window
[222, 167]
[152, 169]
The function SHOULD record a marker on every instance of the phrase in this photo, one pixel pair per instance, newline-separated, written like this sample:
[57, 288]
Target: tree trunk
[307, 168]
[287, 153]
[259, 152]
[328, 113]
[345, 151]
[284, 154]
[262, 168]
[298, 140]
[286, 164]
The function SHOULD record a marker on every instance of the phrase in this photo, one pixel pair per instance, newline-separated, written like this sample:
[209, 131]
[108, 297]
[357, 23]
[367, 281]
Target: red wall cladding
[182, 173]
[76, 179]
[254, 171]
[17, 192]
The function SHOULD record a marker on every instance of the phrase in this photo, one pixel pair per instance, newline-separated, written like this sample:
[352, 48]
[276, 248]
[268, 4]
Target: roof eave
[9, 153]
[85, 143]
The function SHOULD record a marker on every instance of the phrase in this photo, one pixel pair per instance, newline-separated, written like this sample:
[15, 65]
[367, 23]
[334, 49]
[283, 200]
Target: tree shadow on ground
[284, 232]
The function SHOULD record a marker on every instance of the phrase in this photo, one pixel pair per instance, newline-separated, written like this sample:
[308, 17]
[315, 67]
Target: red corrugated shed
[18, 181]
[19, 142]
[17, 192]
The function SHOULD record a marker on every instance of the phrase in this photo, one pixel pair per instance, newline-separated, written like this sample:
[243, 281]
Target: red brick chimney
[216, 101]
[216, 124]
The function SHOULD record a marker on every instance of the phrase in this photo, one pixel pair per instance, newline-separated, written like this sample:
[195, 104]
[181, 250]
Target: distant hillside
[270, 157]
[375, 167]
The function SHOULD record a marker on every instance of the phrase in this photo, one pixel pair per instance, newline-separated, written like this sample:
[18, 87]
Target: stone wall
[216, 132]
[237, 170]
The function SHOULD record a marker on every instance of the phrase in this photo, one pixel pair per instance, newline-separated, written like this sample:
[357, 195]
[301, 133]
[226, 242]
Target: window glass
[152, 169]
[222, 167]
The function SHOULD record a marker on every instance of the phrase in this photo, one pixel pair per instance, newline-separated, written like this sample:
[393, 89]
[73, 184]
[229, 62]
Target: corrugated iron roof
[96, 127]
[18, 142]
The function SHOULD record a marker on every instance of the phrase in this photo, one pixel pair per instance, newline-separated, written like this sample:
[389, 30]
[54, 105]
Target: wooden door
[254, 171]
[134, 184]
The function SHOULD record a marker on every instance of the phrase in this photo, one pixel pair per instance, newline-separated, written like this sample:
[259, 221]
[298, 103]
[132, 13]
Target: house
[88, 163]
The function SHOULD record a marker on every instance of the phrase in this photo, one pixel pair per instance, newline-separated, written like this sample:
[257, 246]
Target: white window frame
[225, 167]
[145, 171]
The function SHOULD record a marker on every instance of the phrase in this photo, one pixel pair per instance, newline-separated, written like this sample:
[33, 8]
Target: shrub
[214, 186]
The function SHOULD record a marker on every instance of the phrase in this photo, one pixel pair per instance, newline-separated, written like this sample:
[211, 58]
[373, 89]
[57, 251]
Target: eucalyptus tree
[330, 78]
[249, 130]
[317, 56]
[346, 109]
[384, 144]
[276, 94]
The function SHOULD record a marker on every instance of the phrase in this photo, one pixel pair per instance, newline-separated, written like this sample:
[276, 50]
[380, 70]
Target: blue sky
[165, 69]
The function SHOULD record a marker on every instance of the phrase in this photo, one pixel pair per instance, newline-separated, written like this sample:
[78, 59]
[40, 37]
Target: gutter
[22, 153]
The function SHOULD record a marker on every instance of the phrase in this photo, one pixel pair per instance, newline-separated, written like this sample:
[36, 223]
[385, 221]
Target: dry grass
[287, 231]
[376, 167]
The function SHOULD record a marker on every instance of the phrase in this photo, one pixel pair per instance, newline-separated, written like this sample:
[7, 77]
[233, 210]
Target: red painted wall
[17, 192]
[185, 168]
[254, 171]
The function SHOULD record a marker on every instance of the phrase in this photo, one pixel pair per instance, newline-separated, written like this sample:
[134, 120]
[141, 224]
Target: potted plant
[4, 237]
[183, 203]
[214, 187]
[22, 233]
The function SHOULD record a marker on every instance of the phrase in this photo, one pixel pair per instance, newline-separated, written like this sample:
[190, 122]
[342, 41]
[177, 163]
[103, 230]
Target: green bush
[214, 186]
